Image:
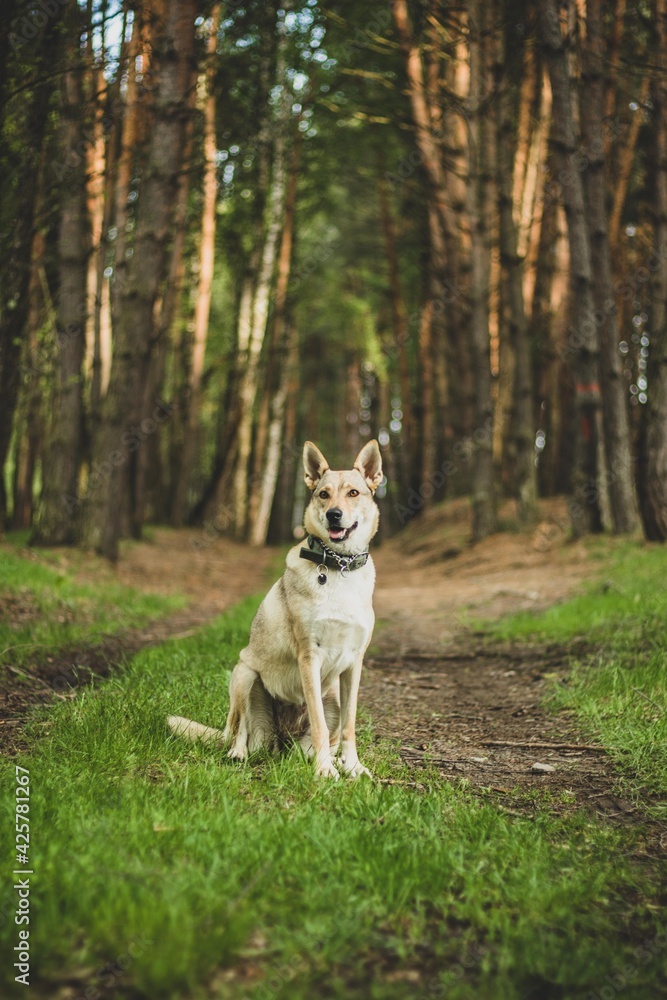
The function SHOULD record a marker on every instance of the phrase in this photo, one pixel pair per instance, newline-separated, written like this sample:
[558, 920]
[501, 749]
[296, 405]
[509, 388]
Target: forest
[226, 228]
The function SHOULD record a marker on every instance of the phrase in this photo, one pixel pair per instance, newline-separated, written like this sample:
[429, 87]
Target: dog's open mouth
[341, 534]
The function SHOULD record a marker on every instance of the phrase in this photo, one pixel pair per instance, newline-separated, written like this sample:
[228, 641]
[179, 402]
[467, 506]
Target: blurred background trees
[228, 227]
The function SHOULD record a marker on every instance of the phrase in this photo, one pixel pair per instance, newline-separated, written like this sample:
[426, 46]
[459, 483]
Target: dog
[309, 636]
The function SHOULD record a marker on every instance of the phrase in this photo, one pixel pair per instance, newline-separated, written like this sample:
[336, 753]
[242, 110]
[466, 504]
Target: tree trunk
[582, 348]
[524, 478]
[652, 457]
[206, 264]
[55, 523]
[618, 452]
[271, 468]
[483, 499]
[400, 324]
[16, 242]
[260, 305]
[123, 426]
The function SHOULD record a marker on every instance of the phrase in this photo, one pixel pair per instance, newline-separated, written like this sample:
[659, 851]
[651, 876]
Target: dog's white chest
[340, 622]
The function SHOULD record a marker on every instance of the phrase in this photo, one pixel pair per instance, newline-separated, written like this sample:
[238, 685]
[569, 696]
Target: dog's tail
[194, 731]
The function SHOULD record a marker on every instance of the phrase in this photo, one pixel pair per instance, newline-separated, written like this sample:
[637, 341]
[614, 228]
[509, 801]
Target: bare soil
[452, 699]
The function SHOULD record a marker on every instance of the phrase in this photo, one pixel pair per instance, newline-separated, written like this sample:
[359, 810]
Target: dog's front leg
[349, 690]
[311, 681]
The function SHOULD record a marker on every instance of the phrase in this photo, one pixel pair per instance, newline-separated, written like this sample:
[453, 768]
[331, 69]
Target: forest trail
[433, 684]
[452, 699]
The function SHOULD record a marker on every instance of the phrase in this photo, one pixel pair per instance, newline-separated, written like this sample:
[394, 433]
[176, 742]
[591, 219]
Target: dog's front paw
[238, 753]
[352, 767]
[326, 769]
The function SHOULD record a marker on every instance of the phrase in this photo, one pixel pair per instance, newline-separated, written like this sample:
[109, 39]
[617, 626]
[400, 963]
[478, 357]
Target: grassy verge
[161, 870]
[619, 691]
[43, 609]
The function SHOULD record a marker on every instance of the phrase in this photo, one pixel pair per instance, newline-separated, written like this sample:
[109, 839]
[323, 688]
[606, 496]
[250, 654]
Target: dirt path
[448, 697]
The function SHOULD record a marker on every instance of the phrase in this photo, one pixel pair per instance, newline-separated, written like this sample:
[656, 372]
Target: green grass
[618, 690]
[161, 867]
[47, 610]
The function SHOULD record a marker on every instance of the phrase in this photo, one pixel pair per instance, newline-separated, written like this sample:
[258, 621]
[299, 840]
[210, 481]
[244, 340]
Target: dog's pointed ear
[314, 465]
[369, 464]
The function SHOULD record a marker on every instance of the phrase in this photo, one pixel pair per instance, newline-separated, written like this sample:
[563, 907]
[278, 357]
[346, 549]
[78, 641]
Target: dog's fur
[308, 640]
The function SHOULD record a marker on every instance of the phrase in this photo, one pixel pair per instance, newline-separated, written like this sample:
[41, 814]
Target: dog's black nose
[334, 515]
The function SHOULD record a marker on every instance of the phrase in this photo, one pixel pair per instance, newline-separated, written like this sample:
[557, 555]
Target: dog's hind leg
[250, 719]
[261, 723]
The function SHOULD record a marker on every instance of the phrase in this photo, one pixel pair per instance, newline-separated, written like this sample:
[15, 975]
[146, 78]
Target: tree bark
[652, 451]
[206, 264]
[400, 325]
[483, 498]
[618, 451]
[123, 426]
[16, 242]
[55, 524]
[522, 431]
[260, 305]
[582, 348]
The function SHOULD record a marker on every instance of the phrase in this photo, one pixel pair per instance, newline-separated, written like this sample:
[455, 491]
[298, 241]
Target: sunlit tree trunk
[652, 464]
[582, 348]
[524, 479]
[400, 326]
[123, 424]
[483, 499]
[620, 471]
[206, 263]
[260, 304]
[58, 505]
[284, 348]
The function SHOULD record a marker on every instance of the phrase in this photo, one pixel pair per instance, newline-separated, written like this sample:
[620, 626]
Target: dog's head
[342, 511]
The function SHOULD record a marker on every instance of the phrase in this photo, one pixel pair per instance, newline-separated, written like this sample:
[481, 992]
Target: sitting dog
[310, 634]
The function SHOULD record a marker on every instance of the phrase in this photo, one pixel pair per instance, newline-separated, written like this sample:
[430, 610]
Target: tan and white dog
[310, 634]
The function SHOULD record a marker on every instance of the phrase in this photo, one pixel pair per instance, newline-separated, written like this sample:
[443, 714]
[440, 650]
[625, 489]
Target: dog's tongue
[335, 534]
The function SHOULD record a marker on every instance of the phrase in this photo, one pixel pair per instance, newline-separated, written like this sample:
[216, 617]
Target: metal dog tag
[322, 574]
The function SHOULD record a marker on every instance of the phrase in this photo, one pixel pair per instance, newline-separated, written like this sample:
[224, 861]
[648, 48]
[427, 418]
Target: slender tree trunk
[582, 349]
[123, 426]
[271, 469]
[206, 264]
[16, 242]
[260, 305]
[483, 499]
[618, 452]
[272, 414]
[30, 439]
[55, 523]
[524, 478]
[652, 457]
[400, 325]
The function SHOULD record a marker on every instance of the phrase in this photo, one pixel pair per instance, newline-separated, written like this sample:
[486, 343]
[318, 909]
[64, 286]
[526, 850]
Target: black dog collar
[321, 554]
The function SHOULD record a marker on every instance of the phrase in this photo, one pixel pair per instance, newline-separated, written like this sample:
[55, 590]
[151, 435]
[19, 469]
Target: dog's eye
[353, 493]
[324, 495]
